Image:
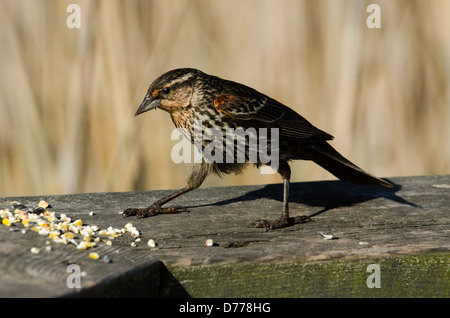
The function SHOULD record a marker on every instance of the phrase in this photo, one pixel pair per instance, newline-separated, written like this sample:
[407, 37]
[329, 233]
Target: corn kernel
[73, 229]
[94, 255]
[82, 246]
[54, 233]
[58, 240]
[42, 223]
[151, 243]
[43, 204]
[44, 231]
[68, 235]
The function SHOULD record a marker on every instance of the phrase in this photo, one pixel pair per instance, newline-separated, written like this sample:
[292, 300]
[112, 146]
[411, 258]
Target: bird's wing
[250, 105]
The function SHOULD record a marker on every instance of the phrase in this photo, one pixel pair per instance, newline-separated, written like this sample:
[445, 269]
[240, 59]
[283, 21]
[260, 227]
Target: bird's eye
[166, 90]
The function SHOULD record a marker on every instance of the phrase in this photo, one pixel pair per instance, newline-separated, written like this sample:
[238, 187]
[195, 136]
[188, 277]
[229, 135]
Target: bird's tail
[343, 169]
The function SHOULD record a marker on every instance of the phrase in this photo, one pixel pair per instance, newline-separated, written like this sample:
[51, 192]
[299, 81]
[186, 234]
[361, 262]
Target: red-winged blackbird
[190, 96]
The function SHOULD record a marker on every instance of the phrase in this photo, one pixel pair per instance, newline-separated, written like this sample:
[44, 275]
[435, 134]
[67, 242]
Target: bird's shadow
[325, 194]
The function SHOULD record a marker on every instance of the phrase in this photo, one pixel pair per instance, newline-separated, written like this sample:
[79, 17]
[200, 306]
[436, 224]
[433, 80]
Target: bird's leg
[156, 208]
[285, 211]
[284, 220]
[198, 175]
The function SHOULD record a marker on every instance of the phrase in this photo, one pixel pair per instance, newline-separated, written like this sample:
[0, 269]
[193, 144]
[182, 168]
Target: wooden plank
[391, 227]
[422, 275]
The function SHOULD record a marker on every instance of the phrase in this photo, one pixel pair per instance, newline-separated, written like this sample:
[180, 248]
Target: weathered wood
[405, 231]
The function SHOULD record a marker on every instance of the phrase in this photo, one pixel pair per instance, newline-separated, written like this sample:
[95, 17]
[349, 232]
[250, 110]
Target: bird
[196, 100]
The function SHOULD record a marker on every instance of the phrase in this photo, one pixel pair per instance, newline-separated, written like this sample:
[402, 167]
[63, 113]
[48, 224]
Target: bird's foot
[152, 210]
[282, 222]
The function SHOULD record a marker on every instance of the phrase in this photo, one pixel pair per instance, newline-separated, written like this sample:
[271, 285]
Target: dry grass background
[67, 96]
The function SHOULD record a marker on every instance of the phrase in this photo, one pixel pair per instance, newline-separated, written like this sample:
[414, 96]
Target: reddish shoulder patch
[223, 103]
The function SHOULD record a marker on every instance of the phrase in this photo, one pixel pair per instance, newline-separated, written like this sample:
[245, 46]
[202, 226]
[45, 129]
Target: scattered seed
[35, 250]
[54, 233]
[62, 229]
[209, 242]
[38, 210]
[73, 242]
[151, 243]
[17, 205]
[94, 255]
[44, 231]
[42, 204]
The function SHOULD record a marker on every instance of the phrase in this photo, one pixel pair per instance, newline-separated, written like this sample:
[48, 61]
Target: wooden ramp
[388, 243]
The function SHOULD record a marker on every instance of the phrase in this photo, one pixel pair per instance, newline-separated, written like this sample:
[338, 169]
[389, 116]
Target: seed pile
[61, 229]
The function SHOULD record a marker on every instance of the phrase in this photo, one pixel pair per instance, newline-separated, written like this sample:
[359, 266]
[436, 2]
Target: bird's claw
[152, 210]
[282, 222]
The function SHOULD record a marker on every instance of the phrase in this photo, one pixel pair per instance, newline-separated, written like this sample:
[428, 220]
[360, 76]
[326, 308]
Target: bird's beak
[147, 104]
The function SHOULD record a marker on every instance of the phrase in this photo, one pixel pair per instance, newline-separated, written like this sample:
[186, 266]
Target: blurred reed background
[67, 96]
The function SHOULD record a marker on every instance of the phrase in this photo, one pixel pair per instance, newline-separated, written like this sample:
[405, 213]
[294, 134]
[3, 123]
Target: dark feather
[243, 103]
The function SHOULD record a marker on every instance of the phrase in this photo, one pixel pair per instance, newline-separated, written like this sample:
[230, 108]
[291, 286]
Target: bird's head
[171, 91]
